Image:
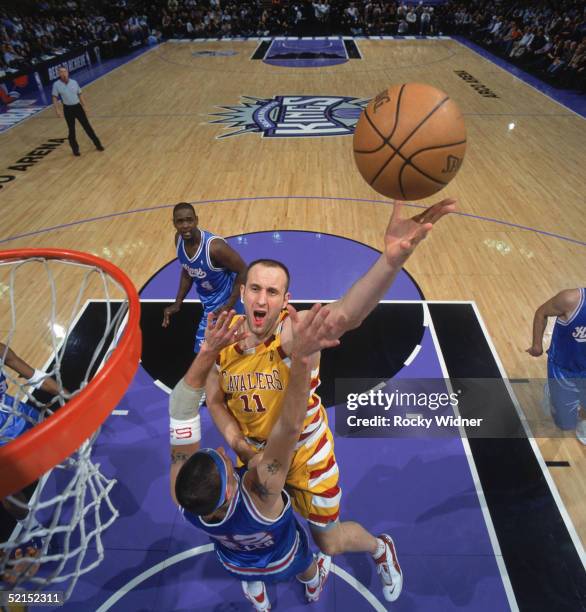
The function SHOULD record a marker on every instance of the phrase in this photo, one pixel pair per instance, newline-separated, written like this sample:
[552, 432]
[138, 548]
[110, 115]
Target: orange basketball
[410, 141]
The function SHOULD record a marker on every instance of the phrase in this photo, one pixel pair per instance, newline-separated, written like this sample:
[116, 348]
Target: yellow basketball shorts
[312, 481]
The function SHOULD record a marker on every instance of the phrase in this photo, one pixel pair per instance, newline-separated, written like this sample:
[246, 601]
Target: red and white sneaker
[389, 570]
[261, 601]
[324, 562]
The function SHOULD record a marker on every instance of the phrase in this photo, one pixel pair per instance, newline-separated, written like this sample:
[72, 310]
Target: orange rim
[42, 447]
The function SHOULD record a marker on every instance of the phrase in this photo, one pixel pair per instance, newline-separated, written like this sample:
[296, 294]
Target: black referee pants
[73, 112]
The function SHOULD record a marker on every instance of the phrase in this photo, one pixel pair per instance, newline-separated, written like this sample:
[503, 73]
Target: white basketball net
[59, 534]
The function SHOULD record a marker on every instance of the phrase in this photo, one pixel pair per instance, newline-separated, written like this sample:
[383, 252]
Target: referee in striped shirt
[73, 108]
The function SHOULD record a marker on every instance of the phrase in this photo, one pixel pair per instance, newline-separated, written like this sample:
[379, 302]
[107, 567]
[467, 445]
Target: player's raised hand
[403, 235]
[219, 334]
[313, 331]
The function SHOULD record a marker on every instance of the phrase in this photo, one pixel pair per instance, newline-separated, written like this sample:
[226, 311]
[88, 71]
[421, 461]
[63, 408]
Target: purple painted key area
[306, 53]
[419, 491]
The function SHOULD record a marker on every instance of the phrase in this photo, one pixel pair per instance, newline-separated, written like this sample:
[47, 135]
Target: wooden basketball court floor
[518, 237]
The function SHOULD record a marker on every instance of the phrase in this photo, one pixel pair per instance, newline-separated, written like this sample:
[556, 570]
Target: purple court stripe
[255, 198]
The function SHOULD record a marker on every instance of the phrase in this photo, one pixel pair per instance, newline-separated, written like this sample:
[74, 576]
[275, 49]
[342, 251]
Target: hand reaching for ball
[403, 235]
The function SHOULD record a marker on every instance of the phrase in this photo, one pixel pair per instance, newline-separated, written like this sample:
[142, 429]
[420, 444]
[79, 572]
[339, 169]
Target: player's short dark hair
[183, 206]
[198, 485]
[269, 263]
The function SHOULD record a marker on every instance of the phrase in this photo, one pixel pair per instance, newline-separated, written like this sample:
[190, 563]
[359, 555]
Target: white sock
[312, 583]
[380, 548]
[254, 588]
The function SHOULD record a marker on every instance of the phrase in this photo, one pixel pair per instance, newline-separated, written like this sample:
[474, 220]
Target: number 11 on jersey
[256, 400]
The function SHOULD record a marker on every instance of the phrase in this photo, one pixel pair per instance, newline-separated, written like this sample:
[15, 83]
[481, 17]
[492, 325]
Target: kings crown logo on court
[292, 116]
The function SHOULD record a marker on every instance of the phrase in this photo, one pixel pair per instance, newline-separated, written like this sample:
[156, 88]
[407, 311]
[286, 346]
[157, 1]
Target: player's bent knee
[328, 541]
[329, 548]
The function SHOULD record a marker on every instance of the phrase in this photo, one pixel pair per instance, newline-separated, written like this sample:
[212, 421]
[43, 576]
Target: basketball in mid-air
[410, 141]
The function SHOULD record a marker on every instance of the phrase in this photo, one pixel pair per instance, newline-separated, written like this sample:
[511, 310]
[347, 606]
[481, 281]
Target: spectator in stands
[494, 29]
[403, 27]
[536, 43]
[9, 56]
[322, 15]
[352, 12]
[506, 42]
[575, 68]
[166, 25]
[556, 67]
[520, 47]
[411, 19]
[425, 22]
[548, 54]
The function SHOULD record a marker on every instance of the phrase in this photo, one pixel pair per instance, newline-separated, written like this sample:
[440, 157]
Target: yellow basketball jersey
[254, 382]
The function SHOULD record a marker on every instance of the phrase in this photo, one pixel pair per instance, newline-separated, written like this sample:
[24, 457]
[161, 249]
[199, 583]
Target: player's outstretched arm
[35, 378]
[400, 240]
[185, 430]
[562, 304]
[266, 479]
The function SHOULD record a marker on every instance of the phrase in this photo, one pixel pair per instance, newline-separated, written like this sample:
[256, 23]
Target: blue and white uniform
[252, 547]
[566, 366]
[213, 285]
[11, 424]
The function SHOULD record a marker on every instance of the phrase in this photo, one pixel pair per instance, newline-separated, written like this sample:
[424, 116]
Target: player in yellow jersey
[246, 391]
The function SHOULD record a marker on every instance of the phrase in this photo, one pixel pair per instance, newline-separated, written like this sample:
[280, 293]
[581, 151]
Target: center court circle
[200, 550]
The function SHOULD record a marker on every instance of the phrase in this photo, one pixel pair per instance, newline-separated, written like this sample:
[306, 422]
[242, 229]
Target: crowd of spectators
[295, 18]
[37, 31]
[547, 37]
[43, 28]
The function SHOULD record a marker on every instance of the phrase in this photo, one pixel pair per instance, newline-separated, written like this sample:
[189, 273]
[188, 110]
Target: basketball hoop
[65, 521]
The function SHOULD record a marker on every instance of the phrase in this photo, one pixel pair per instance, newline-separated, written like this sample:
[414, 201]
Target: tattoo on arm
[259, 489]
[273, 467]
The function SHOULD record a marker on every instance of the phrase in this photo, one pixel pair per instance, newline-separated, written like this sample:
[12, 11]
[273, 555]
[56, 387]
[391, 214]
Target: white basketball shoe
[256, 593]
[324, 562]
[389, 570]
